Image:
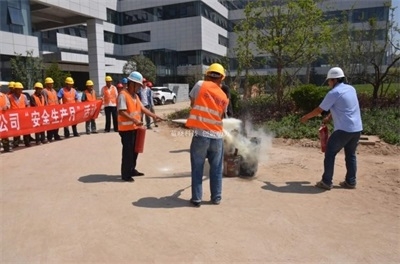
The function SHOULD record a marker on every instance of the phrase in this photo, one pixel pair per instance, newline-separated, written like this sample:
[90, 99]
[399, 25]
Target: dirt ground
[64, 202]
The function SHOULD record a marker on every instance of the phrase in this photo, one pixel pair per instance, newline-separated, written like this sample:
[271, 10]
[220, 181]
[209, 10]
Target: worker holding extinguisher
[130, 111]
[343, 104]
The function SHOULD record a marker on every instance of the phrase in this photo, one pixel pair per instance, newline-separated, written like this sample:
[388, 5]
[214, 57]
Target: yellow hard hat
[38, 85]
[89, 83]
[216, 68]
[69, 80]
[11, 84]
[48, 80]
[18, 85]
[108, 79]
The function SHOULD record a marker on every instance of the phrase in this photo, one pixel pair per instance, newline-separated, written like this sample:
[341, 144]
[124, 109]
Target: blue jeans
[212, 149]
[338, 140]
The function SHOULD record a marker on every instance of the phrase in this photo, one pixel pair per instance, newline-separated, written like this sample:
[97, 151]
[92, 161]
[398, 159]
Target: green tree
[57, 75]
[291, 33]
[371, 51]
[141, 64]
[244, 50]
[27, 69]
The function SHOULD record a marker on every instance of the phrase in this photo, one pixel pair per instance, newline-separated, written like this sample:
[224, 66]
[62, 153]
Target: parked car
[162, 94]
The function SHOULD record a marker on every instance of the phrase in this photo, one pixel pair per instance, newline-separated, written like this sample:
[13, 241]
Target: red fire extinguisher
[323, 136]
[139, 141]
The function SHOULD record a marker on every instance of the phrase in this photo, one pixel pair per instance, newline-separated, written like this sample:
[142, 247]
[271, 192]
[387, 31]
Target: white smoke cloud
[252, 144]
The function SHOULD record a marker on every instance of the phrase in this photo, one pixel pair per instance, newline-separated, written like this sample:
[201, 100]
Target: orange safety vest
[68, 96]
[3, 100]
[17, 103]
[51, 97]
[39, 101]
[134, 110]
[110, 95]
[208, 108]
[90, 96]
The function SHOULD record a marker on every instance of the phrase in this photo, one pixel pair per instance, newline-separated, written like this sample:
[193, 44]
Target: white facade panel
[12, 43]
[179, 34]
[210, 34]
[72, 42]
[91, 8]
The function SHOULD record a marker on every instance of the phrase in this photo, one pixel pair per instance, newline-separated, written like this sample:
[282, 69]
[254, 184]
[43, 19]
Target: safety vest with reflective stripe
[3, 101]
[51, 96]
[110, 95]
[90, 96]
[134, 109]
[39, 101]
[17, 103]
[68, 96]
[208, 108]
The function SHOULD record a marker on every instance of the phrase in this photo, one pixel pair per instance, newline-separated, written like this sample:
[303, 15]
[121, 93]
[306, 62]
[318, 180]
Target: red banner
[16, 122]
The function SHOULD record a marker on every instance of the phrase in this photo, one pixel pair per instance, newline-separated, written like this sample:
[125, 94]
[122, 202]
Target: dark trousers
[147, 117]
[53, 134]
[74, 131]
[111, 111]
[27, 140]
[129, 156]
[40, 137]
[6, 144]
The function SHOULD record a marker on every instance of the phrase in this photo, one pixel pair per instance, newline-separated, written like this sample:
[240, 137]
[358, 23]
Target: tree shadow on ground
[293, 187]
[96, 178]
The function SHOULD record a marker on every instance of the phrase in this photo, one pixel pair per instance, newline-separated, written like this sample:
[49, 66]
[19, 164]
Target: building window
[16, 16]
[214, 16]
[112, 37]
[137, 37]
[223, 41]
[113, 17]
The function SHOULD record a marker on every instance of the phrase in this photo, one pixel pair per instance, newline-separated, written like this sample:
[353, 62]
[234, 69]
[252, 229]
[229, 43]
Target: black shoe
[57, 138]
[87, 133]
[149, 128]
[76, 135]
[128, 179]
[94, 132]
[106, 131]
[136, 173]
[216, 201]
[155, 125]
[195, 204]
[66, 136]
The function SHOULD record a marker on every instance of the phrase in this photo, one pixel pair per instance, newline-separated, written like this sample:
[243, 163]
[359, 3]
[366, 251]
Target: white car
[162, 95]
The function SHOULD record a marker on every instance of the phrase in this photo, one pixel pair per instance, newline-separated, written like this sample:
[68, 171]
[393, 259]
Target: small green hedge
[308, 97]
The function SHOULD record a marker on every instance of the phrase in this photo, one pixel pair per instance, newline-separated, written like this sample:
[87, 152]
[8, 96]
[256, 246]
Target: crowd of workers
[47, 95]
[130, 100]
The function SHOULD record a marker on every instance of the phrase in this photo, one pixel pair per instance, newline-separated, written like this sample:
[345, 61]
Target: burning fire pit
[240, 153]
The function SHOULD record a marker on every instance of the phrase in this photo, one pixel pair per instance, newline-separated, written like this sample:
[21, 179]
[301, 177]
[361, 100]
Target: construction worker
[89, 95]
[209, 104]
[68, 95]
[130, 110]
[342, 102]
[50, 98]
[5, 105]
[38, 100]
[19, 100]
[120, 86]
[150, 85]
[109, 94]
[146, 97]
[10, 87]
[124, 82]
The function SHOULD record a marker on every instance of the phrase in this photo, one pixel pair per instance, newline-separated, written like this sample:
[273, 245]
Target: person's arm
[315, 112]
[44, 94]
[77, 96]
[60, 95]
[194, 92]
[147, 112]
[83, 98]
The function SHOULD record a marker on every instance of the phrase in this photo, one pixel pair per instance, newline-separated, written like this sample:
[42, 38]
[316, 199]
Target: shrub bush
[307, 97]
[262, 108]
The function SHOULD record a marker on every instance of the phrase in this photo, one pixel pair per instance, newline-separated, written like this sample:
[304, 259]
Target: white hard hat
[335, 73]
[136, 77]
